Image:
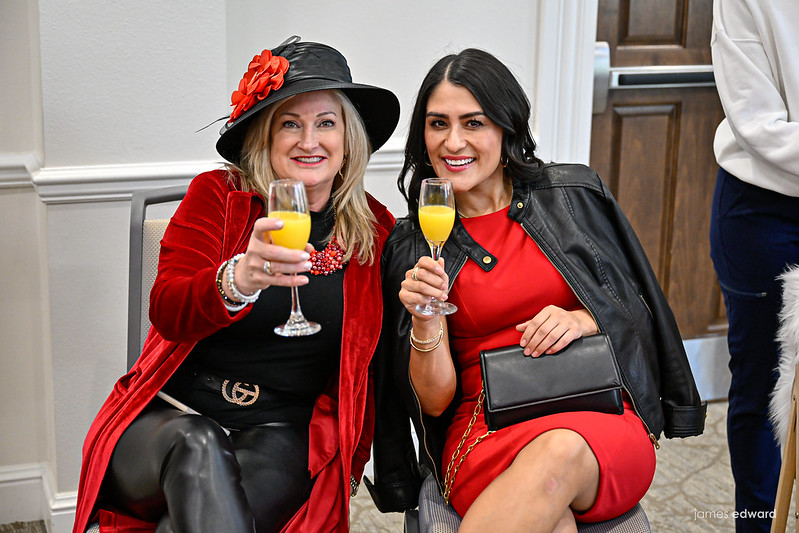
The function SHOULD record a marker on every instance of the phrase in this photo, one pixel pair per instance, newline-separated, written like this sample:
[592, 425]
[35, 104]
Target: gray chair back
[145, 245]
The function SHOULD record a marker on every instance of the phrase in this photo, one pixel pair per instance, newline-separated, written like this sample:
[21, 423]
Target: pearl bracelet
[230, 305]
[231, 283]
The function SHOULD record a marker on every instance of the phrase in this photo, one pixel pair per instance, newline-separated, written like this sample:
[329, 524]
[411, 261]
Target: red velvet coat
[185, 307]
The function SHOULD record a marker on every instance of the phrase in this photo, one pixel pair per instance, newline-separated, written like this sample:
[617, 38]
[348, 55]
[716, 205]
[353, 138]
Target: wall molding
[16, 170]
[387, 159]
[104, 183]
[27, 494]
[21, 492]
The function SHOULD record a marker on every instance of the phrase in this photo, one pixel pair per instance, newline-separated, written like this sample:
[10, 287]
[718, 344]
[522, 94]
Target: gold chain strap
[449, 478]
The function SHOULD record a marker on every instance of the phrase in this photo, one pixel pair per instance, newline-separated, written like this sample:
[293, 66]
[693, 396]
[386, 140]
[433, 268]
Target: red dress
[490, 305]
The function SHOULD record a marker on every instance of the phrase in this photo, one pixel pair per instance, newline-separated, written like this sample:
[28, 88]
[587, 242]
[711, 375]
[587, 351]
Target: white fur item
[788, 337]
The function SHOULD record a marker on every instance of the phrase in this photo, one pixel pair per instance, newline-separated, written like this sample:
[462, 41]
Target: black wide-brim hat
[317, 67]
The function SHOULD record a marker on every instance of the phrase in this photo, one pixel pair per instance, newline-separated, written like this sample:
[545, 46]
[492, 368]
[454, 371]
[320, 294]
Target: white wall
[130, 82]
[395, 44]
[20, 109]
[101, 98]
[25, 392]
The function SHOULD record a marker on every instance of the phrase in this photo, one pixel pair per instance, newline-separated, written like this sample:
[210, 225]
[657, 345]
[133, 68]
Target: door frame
[564, 79]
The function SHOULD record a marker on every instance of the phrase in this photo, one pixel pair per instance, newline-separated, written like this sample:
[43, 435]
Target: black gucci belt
[235, 392]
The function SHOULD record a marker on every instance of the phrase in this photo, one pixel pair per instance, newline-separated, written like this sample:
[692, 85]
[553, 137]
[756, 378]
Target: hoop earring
[427, 160]
[504, 163]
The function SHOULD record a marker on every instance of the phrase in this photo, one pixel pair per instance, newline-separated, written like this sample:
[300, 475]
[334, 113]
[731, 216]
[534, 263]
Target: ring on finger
[413, 274]
[268, 268]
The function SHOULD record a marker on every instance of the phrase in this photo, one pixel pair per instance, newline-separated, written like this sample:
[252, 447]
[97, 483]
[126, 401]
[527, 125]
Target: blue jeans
[754, 235]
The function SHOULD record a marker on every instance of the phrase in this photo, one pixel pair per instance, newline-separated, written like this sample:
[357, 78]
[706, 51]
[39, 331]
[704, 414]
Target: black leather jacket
[572, 216]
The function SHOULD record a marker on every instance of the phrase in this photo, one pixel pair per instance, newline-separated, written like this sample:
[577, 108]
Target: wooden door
[653, 144]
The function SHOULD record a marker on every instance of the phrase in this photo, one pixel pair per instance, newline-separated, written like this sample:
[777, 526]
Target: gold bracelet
[425, 350]
[431, 339]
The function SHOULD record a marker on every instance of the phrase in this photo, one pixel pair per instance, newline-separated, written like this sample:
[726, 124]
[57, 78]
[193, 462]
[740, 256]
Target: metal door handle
[601, 76]
[644, 77]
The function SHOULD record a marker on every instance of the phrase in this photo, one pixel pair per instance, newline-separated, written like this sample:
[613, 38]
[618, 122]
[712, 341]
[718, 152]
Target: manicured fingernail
[307, 265]
[523, 342]
[305, 256]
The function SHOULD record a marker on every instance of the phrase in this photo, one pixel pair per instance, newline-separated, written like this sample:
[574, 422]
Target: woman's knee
[197, 444]
[559, 447]
[563, 460]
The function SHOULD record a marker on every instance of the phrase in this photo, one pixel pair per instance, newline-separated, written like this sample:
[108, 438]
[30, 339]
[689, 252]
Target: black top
[290, 371]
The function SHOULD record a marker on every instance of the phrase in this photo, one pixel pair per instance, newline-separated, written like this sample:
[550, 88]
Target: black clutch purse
[581, 377]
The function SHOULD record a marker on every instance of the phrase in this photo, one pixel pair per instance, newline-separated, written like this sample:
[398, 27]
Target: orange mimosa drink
[436, 222]
[296, 229]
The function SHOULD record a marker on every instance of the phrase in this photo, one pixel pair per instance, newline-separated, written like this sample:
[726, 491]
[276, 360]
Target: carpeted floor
[692, 490]
[23, 527]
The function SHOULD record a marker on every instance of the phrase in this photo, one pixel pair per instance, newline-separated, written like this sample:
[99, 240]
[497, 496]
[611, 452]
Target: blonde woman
[286, 422]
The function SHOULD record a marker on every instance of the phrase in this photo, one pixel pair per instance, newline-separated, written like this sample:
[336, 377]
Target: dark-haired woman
[285, 423]
[540, 255]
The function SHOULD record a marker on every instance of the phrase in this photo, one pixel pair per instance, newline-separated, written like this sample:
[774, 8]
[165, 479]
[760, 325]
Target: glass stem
[435, 253]
[435, 250]
[296, 310]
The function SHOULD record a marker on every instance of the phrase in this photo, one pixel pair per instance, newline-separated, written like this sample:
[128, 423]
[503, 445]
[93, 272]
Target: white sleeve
[750, 84]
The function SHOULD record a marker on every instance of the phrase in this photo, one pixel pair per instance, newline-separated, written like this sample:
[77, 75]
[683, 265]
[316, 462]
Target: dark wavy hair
[501, 98]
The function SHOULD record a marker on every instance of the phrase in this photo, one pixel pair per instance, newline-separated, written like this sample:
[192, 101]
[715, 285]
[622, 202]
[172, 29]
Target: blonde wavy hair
[355, 223]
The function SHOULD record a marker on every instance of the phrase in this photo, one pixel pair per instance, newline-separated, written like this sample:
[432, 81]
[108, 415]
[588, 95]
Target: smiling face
[463, 144]
[307, 143]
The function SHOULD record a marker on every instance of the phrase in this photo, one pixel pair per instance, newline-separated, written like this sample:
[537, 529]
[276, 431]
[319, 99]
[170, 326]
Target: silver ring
[268, 268]
[413, 274]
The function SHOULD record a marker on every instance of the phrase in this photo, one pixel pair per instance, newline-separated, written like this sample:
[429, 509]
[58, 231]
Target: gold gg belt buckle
[240, 393]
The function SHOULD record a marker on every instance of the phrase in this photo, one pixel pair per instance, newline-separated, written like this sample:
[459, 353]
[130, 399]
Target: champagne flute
[436, 217]
[288, 202]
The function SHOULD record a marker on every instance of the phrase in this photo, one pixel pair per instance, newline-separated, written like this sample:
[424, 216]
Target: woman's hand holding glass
[251, 272]
[426, 280]
[436, 218]
[289, 202]
[432, 371]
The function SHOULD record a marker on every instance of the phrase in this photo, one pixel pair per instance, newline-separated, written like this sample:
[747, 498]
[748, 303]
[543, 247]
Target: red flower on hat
[264, 73]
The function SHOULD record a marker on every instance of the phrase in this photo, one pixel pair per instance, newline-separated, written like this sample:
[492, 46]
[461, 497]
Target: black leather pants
[183, 472]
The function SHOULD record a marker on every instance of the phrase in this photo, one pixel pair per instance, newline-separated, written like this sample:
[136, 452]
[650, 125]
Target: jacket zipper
[461, 259]
[423, 437]
[571, 284]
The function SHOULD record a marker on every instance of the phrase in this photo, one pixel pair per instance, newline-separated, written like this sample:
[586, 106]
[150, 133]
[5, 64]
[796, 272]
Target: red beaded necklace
[328, 260]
